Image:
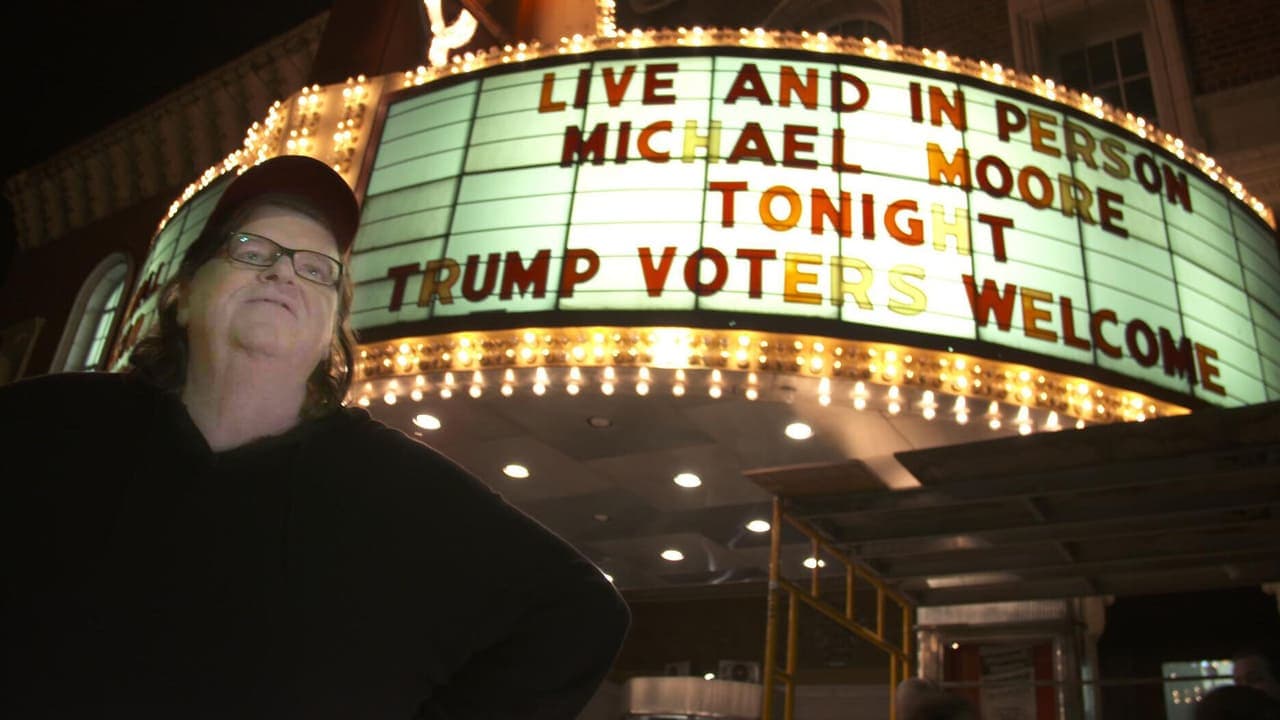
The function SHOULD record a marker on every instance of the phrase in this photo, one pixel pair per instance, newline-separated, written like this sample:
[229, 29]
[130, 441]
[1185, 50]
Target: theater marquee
[789, 185]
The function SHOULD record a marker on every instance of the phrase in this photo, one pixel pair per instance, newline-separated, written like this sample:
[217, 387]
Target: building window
[1186, 684]
[88, 333]
[106, 318]
[1127, 52]
[1114, 70]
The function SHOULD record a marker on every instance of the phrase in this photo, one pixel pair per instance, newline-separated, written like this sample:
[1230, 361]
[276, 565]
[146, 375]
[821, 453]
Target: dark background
[74, 68]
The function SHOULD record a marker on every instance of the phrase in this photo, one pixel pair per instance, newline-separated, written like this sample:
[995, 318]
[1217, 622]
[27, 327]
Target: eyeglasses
[263, 252]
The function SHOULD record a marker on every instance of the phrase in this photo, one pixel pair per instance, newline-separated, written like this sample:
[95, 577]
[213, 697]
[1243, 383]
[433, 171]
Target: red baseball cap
[302, 176]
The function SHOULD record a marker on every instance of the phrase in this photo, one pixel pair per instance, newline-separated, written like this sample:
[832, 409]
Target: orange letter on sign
[545, 103]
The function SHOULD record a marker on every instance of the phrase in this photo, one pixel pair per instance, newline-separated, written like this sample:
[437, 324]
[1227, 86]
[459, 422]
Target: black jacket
[341, 570]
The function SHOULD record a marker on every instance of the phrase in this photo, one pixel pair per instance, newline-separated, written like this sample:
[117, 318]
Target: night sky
[73, 68]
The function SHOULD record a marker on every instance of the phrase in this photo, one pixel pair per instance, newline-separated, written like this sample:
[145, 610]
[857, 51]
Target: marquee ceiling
[948, 513]
[1177, 504]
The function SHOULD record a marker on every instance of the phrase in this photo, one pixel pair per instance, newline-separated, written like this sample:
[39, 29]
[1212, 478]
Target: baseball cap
[302, 176]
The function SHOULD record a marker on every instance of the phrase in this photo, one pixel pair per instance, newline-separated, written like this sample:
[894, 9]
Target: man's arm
[548, 665]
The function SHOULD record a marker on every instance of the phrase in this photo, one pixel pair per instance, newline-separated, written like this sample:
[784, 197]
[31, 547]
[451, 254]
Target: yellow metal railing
[898, 654]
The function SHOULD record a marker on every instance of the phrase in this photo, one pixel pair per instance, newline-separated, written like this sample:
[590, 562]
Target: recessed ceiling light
[687, 480]
[598, 421]
[812, 563]
[672, 555]
[759, 526]
[518, 472]
[798, 431]
[427, 422]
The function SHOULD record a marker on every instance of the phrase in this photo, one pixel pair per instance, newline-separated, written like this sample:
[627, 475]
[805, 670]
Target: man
[214, 535]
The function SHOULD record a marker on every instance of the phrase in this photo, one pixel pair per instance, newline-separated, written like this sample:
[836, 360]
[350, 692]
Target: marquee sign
[863, 194]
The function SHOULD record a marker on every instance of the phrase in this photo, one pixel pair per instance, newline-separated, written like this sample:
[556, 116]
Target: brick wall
[977, 29]
[1230, 44]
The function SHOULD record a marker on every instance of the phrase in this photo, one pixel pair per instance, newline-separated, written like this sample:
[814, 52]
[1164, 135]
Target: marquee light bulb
[427, 421]
[687, 480]
[798, 431]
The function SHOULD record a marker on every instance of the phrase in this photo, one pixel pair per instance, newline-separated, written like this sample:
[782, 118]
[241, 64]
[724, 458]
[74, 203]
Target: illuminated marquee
[789, 185]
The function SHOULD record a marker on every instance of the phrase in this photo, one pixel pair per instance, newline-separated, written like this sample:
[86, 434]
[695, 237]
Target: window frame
[1155, 20]
[1121, 80]
[113, 274]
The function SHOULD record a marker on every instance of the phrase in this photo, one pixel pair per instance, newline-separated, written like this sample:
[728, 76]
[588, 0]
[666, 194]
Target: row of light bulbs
[750, 353]
[718, 384]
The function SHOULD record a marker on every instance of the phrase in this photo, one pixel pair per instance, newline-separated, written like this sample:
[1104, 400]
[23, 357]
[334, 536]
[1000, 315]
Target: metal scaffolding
[854, 571]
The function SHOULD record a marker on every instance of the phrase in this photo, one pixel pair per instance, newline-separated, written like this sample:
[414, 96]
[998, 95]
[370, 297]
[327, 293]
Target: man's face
[1253, 671]
[264, 311]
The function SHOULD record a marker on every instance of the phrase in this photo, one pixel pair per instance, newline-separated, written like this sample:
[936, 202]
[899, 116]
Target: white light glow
[670, 348]
[798, 431]
[517, 471]
[427, 422]
[687, 480]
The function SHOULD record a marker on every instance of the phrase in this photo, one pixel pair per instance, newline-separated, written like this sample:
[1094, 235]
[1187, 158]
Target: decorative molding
[826, 14]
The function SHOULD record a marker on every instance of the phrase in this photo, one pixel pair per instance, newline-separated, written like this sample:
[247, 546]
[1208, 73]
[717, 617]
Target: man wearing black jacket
[212, 535]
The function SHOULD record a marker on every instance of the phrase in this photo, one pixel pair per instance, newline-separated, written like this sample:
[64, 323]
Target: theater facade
[644, 282]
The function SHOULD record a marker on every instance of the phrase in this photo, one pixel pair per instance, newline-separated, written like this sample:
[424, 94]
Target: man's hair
[161, 358]
[1268, 657]
[1237, 702]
